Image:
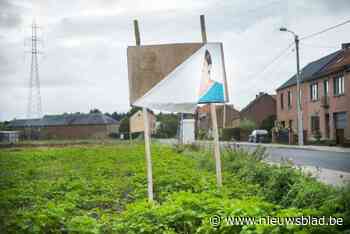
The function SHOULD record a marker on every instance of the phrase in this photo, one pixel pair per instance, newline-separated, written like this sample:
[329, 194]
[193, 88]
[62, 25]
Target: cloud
[9, 14]
[84, 63]
[334, 6]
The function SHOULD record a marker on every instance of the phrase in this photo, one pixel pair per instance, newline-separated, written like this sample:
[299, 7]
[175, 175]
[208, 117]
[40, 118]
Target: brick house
[203, 116]
[325, 98]
[66, 126]
[259, 109]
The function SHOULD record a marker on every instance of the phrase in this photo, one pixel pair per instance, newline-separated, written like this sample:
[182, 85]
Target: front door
[340, 121]
[339, 136]
[326, 119]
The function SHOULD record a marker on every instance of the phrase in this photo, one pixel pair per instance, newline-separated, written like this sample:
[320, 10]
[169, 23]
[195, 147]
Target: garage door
[340, 120]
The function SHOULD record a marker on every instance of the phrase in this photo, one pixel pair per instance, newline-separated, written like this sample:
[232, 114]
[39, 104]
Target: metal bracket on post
[146, 130]
[214, 120]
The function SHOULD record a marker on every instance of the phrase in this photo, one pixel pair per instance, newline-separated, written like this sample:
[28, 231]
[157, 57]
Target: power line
[325, 30]
[282, 53]
[279, 68]
[274, 59]
[319, 46]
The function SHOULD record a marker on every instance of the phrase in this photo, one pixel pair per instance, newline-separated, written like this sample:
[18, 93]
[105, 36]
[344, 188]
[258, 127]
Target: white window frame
[314, 92]
[289, 98]
[340, 81]
[326, 88]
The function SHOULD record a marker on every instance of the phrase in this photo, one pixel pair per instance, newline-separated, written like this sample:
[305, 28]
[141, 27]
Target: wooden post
[216, 145]
[137, 33]
[203, 30]
[146, 130]
[148, 154]
[214, 120]
[224, 117]
[226, 87]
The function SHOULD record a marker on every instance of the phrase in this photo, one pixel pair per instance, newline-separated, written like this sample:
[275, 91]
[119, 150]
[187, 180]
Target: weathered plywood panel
[137, 125]
[148, 65]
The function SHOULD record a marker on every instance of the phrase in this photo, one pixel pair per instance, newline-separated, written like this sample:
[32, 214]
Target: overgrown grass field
[103, 189]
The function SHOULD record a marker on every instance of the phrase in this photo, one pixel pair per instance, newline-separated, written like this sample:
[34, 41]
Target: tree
[117, 116]
[124, 125]
[94, 111]
[268, 123]
[133, 111]
[247, 125]
[3, 125]
[168, 125]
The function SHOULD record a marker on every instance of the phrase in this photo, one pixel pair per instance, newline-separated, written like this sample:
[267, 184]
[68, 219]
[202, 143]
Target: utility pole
[300, 113]
[34, 108]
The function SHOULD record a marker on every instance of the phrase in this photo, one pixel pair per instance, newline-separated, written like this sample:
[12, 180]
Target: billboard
[176, 77]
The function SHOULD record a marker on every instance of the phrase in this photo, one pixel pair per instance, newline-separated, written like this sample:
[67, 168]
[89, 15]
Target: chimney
[345, 46]
[259, 94]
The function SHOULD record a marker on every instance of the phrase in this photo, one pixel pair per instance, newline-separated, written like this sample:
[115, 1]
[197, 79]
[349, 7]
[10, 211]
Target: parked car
[259, 136]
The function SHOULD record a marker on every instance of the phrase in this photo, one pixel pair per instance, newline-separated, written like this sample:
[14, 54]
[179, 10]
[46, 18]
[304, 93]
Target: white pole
[148, 155]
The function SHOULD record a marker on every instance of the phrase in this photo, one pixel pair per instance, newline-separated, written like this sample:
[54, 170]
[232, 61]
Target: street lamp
[300, 114]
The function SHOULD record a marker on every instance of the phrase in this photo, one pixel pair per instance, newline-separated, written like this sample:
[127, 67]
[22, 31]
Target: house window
[340, 120]
[289, 99]
[314, 92]
[339, 85]
[290, 124]
[315, 123]
[281, 100]
[325, 87]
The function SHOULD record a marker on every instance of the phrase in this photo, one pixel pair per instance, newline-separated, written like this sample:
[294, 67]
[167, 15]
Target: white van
[258, 136]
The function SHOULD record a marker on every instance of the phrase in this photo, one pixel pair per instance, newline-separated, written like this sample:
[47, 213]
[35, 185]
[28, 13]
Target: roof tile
[313, 69]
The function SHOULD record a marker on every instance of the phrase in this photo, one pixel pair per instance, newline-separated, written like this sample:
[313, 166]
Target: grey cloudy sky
[84, 44]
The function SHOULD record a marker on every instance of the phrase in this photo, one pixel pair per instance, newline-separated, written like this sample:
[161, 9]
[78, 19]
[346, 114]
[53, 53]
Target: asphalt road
[339, 161]
[332, 160]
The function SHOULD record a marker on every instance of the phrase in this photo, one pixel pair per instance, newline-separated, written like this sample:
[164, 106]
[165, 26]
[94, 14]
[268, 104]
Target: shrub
[268, 123]
[187, 212]
[306, 193]
[247, 125]
[168, 125]
[279, 184]
[229, 134]
[201, 134]
[83, 224]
